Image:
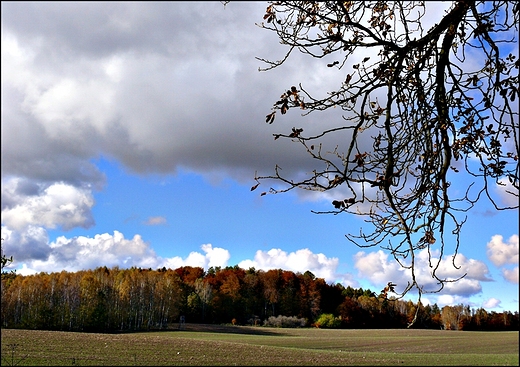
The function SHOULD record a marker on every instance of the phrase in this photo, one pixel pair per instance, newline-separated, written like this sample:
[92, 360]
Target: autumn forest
[108, 300]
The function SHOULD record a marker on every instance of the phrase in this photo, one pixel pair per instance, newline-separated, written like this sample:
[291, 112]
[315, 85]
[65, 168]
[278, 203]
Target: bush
[285, 321]
[328, 321]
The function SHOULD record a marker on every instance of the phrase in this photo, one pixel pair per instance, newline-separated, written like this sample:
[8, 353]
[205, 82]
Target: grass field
[200, 345]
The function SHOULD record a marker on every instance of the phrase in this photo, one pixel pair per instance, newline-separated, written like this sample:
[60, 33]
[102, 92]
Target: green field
[239, 345]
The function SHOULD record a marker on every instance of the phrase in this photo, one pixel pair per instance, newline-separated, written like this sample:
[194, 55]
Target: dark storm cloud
[155, 85]
[97, 28]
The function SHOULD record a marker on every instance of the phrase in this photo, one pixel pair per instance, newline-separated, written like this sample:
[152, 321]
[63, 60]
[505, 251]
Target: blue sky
[131, 134]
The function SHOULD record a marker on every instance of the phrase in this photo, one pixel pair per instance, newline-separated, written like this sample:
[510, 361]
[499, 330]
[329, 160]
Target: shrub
[328, 321]
[285, 321]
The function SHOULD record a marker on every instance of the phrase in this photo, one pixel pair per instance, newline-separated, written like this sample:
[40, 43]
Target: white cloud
[491, 303]
[379, 268]
[194, 259]
[59, 204]
[74, 254]
[103, 249]
[505, 191]
[502, 253]
[215, 256]
[475, 269]
[347, 279]
[511, 275]
[463, 287]
[298, 261]
[81, 252]
[450, 300]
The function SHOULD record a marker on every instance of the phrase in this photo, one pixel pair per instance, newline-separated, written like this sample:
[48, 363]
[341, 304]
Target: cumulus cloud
[87, 253]
[78, 253]
[298, 261]
[59, 204]
[506, 193]
[502, 253]
[26, 245]
[33, 254]
[491, 303]
[213, 257]
[380, 269]
[450, 300]
[511, 275]
[377, 267]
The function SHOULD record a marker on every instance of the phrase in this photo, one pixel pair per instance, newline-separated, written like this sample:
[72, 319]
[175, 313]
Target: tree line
[105, 300]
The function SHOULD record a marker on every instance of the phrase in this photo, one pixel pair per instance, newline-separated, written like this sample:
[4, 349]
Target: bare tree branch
[432, 116]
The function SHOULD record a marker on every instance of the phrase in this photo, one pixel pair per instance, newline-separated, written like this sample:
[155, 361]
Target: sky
[131, 135]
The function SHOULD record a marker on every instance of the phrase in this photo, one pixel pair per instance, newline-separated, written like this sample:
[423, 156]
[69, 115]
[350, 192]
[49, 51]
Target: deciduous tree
[428, 100]
[5, 262]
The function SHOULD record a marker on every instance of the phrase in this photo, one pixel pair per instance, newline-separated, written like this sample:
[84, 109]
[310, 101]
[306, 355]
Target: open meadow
[199, 345]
